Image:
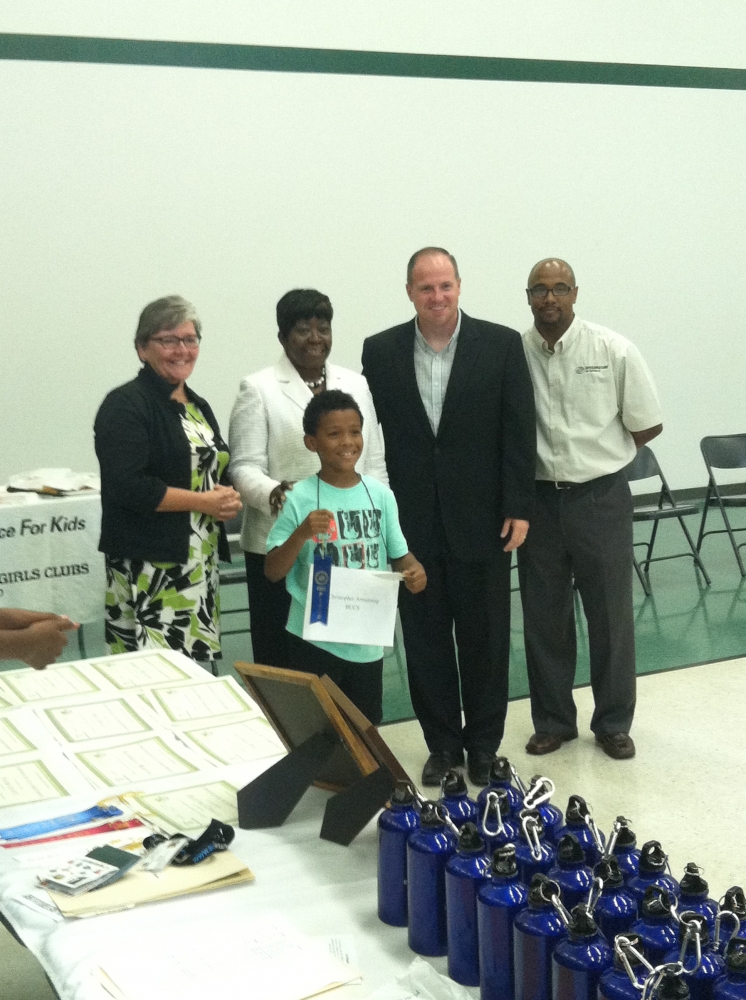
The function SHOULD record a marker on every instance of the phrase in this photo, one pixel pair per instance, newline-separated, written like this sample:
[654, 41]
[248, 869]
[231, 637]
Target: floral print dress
[162, 605]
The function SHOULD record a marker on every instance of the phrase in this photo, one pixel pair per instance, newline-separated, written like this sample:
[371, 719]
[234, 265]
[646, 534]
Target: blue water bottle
[497, 826]
[395, 824]
[657, 925]
[570, 871]
[732, 914]
[616, 908]
[694, 895]
[466, 872]
[652, 871]
[428, 851]
[540, 791]
[702, 965]
[732, 986]
[501, 774]
[625, 979]
[622, 844]
[499, 900]
[532, 852]
[454, 797]
[536, 930]
[580, 823]
[580, 959]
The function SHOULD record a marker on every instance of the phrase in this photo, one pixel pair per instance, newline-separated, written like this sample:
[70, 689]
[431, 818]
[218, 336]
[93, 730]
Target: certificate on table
[236, 742]
[205, 700]
[11, 740]
[34, 780]
[193, 807]
[127, 672]
[362, 608]
[95, 720]
[129, 763]
[54, 682]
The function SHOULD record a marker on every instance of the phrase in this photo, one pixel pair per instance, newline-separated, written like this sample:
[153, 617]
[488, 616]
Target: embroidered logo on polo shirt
[590, 368]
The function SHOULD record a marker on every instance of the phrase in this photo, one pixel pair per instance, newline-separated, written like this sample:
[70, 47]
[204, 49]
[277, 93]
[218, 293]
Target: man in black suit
[454, 398]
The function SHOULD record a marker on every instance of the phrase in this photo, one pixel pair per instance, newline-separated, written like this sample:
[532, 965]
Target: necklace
[315, 383]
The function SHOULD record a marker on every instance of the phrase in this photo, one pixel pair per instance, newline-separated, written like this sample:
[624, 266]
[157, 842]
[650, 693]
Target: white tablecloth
[49, 558]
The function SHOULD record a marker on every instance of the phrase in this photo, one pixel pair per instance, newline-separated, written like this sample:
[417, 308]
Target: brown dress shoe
[620, 746]
[541, 743]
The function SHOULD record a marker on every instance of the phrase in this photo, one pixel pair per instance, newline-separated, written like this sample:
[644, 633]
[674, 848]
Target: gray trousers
[581, 533]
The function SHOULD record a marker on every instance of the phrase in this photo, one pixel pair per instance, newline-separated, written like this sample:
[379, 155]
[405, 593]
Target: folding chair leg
[641, 575]
[695, 554]
[651, 543]
[736, 551]
[705, 509]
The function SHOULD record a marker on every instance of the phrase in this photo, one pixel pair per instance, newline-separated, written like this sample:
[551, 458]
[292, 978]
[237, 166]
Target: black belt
[551, 484]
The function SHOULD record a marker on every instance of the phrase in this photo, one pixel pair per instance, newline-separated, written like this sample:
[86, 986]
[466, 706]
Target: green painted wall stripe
[280, 59]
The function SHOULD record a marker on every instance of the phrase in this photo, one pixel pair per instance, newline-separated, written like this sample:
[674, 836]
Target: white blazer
[266, 439]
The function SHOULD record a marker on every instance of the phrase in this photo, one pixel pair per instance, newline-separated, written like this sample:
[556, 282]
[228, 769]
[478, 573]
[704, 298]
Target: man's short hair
[430, 252]
[301, 303]
[550, 260]
[165, 314]
[327, 402]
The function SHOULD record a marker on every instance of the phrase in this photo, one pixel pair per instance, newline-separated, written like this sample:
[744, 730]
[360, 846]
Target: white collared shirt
[590, 392]
[432, 370]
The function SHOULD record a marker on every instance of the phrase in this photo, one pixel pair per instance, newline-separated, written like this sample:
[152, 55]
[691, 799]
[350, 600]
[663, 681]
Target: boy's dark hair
[327, 402]
[301, 303]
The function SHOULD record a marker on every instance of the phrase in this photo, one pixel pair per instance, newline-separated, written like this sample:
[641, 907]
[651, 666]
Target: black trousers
[269, 606]
[474, 600]
[361, 682]
[582, 533]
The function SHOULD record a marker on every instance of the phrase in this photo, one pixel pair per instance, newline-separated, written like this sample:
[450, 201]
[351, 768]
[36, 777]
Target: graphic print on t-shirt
[356, 530]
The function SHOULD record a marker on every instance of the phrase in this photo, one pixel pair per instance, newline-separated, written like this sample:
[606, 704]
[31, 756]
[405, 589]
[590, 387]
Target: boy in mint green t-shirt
[359, 517]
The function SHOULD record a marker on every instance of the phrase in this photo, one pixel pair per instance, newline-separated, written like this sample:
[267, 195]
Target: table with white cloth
[49, 558]
[320, 887]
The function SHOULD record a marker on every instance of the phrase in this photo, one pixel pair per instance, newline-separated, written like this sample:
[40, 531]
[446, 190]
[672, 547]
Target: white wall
[120, 184]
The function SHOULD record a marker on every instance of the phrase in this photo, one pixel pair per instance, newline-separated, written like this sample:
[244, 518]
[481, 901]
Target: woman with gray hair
[164, 495]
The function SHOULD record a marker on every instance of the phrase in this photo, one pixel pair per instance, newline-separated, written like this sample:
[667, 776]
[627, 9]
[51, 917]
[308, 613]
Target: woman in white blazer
[268, 454]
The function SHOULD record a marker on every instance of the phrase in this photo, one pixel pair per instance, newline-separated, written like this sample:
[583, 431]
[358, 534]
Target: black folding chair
[725, 451]
[233, 573]
[645, 466]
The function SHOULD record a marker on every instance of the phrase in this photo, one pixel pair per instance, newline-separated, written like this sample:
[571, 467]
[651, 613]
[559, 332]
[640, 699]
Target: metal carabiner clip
[492, 804]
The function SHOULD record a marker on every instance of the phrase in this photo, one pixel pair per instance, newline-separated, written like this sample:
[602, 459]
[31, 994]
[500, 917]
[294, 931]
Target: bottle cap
[469, 839]
[735, 955]
[735, 901]
[431, 814]
[504, 863]
[690, 917]
[692, 883]
[636, 941]
[657, 903]
[569, 851]
[582, 924]
[500, 769]
[577, 810]
[652, 858]
[535, 814]
[609, 872]
[454, 783]
[403, 794]
[672, 987]
[626, 838]
[540, 892]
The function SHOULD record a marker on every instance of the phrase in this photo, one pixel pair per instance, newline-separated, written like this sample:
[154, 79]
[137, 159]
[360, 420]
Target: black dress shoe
[541, 743]
[438, 763]
[478, 768]
[620, 746]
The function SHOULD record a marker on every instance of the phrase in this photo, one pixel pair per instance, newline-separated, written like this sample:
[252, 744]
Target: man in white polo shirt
[595, 405]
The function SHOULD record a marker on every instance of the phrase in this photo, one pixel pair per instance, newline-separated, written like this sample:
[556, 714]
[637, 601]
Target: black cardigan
[142, 450]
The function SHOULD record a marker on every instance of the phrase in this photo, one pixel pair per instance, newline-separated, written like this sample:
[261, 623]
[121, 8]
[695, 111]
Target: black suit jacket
[481, 466]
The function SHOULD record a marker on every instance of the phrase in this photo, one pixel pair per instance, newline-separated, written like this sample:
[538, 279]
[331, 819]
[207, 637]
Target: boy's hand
[415, 578]
[317, 523]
